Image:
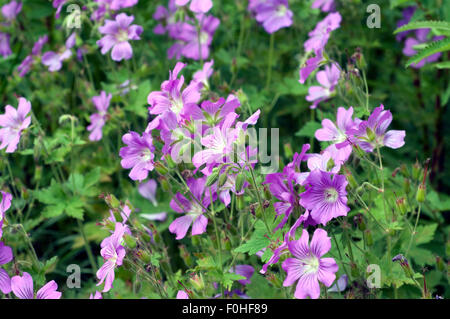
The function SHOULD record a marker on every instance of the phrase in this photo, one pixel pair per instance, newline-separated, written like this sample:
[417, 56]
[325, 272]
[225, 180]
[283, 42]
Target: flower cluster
[21, 286]
[194, 35]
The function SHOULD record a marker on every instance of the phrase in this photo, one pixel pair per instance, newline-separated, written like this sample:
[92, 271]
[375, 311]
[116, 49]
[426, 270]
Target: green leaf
[228, 279]
[432, 48]
[309, 129]
[442, 25]
[154, 259]
[425, 234]
[257, 242]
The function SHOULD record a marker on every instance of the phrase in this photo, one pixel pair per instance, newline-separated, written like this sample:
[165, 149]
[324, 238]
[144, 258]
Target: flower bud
[359, 150]
[359, 220]
[351, 179]
[404, 263]
[274, 280]
[240, 202]
[112, 201]
[223, 178]
[227, 244]
[406, 185]
[197, 282]
[404, 170]
[185, 255]
[130, 241]
[38, 173]
[401, 205]
[288, 150]
[267, 193]
[170, 161]
[240, 179]
[164, 184]
[354, 270]
[421, 193]
[416, 170]
[144, 256]
[242, 97]
[161, 169]
[196, 240]
[213, 177]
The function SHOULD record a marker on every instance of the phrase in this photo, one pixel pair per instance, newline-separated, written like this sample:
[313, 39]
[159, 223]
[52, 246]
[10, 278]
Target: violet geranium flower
[338, 133]
[273, 14]
[307, 265]
[5, 49]
[11, 10]
[25, 66]
[318, 38]
[194, 211]
[323, 5]
[196, 6]
[421, 36]
[12, 123]
[325, 196]
[54, 60]
[5, 204]
[372, 133]
[98, 120]
[5, 257]
[328, 79]
[113, 253]
[310, 65]
[22, 287]
[117, 34]
[138, 155]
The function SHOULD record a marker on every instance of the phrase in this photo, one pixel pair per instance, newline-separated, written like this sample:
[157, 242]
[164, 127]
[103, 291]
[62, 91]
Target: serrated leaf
[228, 279]
[309, 129]
[442, 25]
[257, 242]
[432, 48]
[425, 234]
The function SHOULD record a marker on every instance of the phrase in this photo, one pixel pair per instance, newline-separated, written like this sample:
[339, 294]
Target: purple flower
[148, 191]
[98, 120]
[325, 196]
[283, 187]
[12, 123]
[6, 256]
[246, 271]
[372, 133]
[192, 209]
[307, 265]
[171, 98]
[338, 133]
[98, 295]
[26, 64]
[323, 5]
[182, 295]
[197, 43]
[273, 14]
[22, 287]
[322, 162]
[328, 78]
[408, 13]
[5, 204]
[204, 74]
[58, 4]
[196, 6]
[113, 253]
[311, 65]
[53, 60]
[421, 37]
[138, 155]
[11, 10]
[5, 49]
[318, 38]
[117, 33]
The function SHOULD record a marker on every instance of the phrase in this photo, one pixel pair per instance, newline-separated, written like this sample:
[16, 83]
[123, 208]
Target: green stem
[87, 247]
[269, 64]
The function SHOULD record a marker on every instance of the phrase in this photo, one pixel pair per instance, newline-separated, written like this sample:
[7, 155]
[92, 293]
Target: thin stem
[87, 247]
[269, 64]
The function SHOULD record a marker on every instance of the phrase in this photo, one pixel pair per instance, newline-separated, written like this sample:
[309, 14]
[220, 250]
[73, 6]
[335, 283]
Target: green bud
[186, 256]
[407, 185]
[197, 282]
[223, 179]
[370, 134]
[196, 240]
[213, 177]
[421, 193]
[130, 241]
[401, 205]
[351, 180]
[242, 97]
[164, 184]
[404, 170]
[267, 193]
[240, 179]
[416, 171]
[227, 244]
[112, 201]
[161, 169]
[240, 202]
[38, 173]
[274, 280]
[170, 162]
[359, 151]
[144, 256]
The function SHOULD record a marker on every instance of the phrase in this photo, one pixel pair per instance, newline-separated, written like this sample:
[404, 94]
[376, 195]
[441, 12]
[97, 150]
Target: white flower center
[281, 10]
[196, 210]
[331, 195]
[122, 36]
[204, 36]
[311, 265]
[147, 155]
